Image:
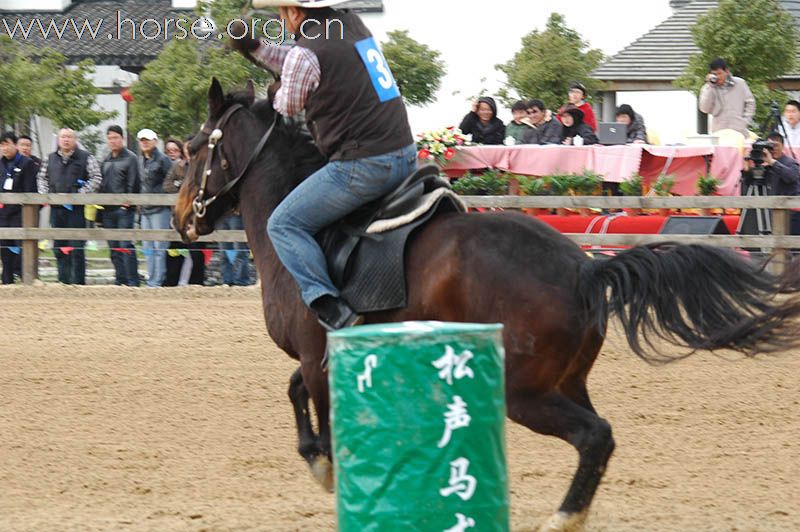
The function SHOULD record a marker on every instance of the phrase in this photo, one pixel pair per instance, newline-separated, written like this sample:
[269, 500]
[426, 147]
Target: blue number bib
[382, 78]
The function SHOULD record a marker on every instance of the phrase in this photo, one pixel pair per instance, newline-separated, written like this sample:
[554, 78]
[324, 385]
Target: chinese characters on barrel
[454, 367]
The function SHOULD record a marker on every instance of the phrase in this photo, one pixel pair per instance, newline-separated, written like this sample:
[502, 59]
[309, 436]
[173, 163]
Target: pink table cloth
[614, 163]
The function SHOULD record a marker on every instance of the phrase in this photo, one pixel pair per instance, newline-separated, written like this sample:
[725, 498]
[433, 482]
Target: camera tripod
[763, 216]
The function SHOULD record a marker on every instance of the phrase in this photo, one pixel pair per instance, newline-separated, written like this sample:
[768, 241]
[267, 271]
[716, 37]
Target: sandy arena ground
[164, 410]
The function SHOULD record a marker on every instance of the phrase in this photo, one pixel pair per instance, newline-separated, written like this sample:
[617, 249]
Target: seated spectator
[519, 124]
[637, 133]
[574, 126]
[577, 97]
[482, 123]
[546, 129]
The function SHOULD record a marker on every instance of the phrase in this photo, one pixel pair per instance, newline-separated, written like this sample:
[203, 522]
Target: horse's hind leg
[307, 441]
[556, 415]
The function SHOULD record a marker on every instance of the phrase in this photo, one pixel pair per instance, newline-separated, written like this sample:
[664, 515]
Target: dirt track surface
[126, 409]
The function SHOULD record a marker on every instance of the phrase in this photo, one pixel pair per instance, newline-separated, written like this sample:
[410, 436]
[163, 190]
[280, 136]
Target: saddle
[365, 251]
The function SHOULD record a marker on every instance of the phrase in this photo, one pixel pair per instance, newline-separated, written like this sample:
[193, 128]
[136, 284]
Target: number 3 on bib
[382, 79]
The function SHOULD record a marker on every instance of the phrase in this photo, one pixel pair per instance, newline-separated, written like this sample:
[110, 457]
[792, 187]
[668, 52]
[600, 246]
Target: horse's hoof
[322, 469]
[564, 522]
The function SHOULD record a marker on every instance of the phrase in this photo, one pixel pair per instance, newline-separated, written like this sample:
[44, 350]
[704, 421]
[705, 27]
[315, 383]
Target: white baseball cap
[257, 4]
[147, 134]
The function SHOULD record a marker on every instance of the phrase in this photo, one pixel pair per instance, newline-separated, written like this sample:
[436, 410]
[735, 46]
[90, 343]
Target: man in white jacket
[727, 99]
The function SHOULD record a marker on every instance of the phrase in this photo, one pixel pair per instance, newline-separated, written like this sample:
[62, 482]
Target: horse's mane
[300, 144]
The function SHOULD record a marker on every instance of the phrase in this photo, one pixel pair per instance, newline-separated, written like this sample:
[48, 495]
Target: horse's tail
[699, 297]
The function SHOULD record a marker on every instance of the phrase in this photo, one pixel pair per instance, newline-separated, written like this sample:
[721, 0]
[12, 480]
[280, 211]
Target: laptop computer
[612, 133]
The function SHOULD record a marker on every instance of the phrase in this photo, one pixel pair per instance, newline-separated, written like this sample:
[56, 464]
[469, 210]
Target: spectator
[234, 262]
[193, 266]
[574, 126]
[177, 252]
[727, 99]
[519, 124]
[153, 169]
[66, 171]
[482, 123]
[25, 147]
[18, 175]
[781, 174]
[577, 97]
[791, 124]
[637, 133]
[546, 129]
[120, 176]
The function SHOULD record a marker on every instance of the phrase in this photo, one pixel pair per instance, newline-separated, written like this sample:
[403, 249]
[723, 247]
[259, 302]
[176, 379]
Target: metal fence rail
[779, 241]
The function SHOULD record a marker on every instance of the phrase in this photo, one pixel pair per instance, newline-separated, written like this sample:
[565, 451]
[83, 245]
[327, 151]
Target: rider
[337, 73]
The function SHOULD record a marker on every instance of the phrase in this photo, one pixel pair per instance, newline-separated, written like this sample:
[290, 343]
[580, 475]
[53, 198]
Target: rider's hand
[247, 43]
[272, 89]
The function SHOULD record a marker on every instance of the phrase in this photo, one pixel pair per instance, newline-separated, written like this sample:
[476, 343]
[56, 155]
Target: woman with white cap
[336, 72]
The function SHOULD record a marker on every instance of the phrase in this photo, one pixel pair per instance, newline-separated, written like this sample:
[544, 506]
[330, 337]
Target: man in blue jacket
[18, 174]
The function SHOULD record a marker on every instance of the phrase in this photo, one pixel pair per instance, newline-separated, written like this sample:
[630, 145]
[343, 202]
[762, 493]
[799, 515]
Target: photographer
[779, 172]
[727, 99]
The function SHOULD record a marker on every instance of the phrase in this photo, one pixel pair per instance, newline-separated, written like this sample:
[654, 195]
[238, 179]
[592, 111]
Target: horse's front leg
[315, 448]
[307, 440]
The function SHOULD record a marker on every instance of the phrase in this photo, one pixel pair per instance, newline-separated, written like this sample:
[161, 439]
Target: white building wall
[35, 5]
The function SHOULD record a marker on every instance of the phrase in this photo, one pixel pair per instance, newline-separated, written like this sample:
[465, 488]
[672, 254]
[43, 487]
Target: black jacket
[548, 132]
[782, 178]
[22, 174]
[581, 129]
[492, 133]
[121, 173]
[152, 173]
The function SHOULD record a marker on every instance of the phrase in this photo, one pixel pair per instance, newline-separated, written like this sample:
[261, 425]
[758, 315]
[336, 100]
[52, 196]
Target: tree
[42, 83]
[758, 40]
[417, 68]
[548, 61]
[170, 95]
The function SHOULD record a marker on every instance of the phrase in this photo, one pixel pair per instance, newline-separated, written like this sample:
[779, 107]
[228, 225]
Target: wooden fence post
[780, 227]
[30, 248]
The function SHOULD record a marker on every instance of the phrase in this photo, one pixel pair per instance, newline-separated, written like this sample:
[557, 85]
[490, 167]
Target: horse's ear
[250, 92]
[216, 98]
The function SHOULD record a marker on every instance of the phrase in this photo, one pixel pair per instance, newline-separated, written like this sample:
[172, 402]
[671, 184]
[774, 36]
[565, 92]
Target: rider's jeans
[328, 195]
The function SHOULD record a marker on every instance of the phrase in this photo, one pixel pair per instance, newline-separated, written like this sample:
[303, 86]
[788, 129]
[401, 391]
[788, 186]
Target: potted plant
[588, 183]
[489, 183]
[663, 187]
[534, 186]
[707, 186]
[559, 185]
[632, 187]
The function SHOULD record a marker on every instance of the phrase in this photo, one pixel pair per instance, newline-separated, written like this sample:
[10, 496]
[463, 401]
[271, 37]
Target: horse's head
[220, 155]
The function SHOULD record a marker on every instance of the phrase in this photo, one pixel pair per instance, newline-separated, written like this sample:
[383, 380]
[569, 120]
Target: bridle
[199, 204]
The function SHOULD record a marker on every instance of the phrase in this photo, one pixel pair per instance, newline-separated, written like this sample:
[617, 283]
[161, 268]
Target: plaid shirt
[95, 177]
[300, 74]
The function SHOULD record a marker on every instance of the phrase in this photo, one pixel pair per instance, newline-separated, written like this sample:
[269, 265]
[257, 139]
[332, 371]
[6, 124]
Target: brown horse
[496, 267]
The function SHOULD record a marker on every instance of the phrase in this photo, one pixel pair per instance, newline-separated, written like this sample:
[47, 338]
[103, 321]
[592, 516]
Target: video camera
[757, 152]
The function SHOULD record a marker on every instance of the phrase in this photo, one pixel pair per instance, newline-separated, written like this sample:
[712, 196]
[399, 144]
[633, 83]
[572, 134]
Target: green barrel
[417, 414]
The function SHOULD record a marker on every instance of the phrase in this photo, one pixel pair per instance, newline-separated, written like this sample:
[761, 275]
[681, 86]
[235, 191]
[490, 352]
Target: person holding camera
[781, 173]
[727, 99]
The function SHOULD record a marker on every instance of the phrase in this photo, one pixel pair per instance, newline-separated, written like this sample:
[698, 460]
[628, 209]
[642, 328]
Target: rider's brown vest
[346, 113]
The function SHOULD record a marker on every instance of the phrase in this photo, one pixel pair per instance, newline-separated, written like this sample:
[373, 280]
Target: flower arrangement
[440, 145]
